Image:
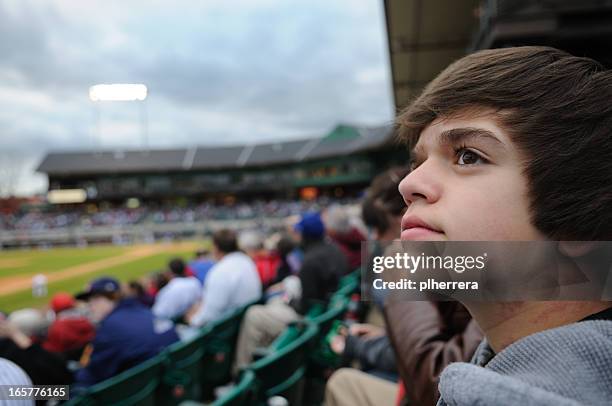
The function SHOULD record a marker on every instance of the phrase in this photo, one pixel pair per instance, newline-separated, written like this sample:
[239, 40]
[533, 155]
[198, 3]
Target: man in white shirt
[179, 295]
[232, 283]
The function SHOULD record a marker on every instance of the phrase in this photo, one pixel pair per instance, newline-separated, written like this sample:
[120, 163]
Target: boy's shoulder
[564, 365]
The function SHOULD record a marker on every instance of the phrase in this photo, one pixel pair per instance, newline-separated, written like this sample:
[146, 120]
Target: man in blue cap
[324, 263]
[322, 266]
[126, 335]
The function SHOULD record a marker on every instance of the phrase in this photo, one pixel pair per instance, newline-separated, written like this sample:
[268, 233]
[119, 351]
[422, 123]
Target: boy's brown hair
[557, 109]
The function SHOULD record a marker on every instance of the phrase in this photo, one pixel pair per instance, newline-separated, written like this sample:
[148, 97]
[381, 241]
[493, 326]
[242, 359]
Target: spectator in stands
[179, 295]
[201, 264]
[71, 331]
[344, 233]
[383, 205]
[369, 345]
[11, 374]
[137, 290]
[232, 283]
[381, 211]
[290, 258]
[127, 333]
[266, 261]
[157, 281]
[515, 144]
[426, 337]
[324, 264]
[19, 336]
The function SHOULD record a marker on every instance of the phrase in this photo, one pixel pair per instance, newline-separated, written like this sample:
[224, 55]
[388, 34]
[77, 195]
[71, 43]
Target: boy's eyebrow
[457, 135]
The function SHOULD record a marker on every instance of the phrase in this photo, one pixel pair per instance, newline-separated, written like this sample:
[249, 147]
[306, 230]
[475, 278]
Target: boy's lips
[414, 228]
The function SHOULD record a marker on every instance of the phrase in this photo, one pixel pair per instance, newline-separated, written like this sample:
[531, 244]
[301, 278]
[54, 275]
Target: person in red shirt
[71, 331]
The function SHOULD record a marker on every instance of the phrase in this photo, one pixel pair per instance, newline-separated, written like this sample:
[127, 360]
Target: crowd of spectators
[110, 326]
[86, 217]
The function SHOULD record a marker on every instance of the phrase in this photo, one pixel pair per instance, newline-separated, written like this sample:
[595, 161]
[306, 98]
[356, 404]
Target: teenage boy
[516, 144]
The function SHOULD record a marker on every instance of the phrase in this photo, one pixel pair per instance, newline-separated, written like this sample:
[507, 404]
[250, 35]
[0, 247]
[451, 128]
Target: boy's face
[467, 184]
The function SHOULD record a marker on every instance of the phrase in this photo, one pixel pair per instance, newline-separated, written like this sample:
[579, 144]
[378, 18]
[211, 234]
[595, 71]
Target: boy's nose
[420, 184]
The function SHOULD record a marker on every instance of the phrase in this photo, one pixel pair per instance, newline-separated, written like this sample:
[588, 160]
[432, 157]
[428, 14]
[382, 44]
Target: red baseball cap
[62, 301]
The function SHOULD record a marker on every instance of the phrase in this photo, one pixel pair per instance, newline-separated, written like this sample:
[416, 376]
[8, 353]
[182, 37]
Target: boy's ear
[576, 249]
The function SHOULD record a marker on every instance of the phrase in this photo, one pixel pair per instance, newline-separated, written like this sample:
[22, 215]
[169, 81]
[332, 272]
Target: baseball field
[70, 269]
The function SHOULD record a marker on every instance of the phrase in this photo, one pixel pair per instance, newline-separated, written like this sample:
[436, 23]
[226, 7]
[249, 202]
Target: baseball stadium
[230, 274]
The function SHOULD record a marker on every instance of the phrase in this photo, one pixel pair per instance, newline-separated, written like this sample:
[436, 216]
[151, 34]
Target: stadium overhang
[424, 36]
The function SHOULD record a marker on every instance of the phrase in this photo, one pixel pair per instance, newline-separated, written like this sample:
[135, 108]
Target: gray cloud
[220, 71]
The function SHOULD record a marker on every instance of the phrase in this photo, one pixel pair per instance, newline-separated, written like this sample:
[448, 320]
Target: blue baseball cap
[100, 286]
[311, 226]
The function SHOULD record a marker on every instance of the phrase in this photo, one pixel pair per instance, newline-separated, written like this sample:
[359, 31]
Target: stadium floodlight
[118, 92]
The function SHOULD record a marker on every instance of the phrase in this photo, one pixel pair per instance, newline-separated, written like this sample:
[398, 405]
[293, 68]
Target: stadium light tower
[123, 92]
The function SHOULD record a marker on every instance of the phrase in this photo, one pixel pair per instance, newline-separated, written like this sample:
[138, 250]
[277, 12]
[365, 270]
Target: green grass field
[17, 264]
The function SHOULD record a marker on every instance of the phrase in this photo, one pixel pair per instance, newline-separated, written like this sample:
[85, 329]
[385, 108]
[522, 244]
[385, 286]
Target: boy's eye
[468, 157]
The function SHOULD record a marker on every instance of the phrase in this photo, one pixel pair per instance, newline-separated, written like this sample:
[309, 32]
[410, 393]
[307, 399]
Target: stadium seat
[220, 351]
[282, 372]
[321, 360]
[136, 386]
[183, 376]
[243, 394]
[349, 284]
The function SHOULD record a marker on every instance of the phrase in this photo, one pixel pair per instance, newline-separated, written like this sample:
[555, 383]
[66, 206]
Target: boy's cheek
[484, 216]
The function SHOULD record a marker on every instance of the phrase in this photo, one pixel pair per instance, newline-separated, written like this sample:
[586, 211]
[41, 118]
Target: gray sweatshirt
[569, 365]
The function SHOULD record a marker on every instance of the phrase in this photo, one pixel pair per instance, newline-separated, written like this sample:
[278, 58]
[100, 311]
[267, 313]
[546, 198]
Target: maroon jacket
[427, 336]
[68, 334]
[350, 244]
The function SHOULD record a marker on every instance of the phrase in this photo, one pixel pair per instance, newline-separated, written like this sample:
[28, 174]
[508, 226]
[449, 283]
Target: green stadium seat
[282, 372]
[135, 387]
[245, 393]
[183, 376]
[349, 284]
[221, 350]
[336, 309]
[321, 360]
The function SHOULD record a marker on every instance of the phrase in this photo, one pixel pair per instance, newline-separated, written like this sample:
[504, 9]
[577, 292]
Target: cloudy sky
[218, 72]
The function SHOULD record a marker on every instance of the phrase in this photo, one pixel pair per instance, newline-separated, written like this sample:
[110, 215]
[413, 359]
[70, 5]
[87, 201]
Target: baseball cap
[61, 301]
[100, 286]
[311, 226]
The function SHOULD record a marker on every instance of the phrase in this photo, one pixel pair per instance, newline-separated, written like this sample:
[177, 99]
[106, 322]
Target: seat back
[348, 284]
[136, 386]
[221, 349]
[281, 373]
[183, 376]
[338, 305]
[322, 361]
[244, 394]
